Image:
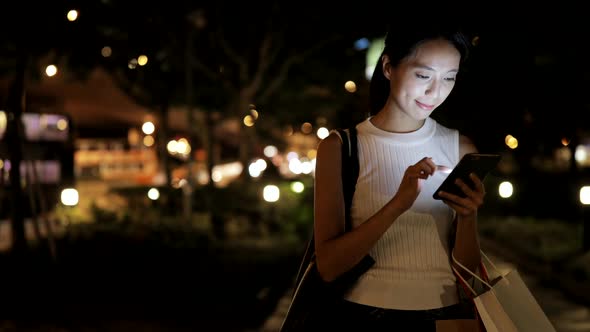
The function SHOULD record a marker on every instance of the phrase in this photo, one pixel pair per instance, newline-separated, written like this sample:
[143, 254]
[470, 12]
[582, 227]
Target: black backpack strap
[350, 170]
[350, 173]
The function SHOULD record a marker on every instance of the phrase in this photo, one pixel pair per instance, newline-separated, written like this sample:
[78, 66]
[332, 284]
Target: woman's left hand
[466, 207]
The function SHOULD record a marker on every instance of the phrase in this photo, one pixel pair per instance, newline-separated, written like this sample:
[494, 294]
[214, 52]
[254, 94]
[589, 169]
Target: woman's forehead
[435, 55]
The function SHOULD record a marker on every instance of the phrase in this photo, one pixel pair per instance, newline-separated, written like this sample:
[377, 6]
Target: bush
[548, 240]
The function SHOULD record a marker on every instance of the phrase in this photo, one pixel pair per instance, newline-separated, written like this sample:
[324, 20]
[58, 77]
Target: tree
[284, 60]
[228, 59]
[17, 54]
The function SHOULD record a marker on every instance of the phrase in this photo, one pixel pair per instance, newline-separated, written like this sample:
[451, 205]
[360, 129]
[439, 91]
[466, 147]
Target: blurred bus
[48, 163]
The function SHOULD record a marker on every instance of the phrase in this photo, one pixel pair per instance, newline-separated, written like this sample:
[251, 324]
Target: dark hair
[401, 42]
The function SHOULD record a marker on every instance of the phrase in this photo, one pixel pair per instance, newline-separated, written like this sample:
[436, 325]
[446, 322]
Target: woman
[402, 151]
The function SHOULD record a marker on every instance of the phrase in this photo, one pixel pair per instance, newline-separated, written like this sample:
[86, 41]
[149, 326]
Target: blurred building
[101, 117]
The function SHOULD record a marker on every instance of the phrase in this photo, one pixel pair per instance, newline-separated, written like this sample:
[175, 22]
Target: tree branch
[235, 57]
[278, 80]
[265, 59]
[196, 64]
[140, 97]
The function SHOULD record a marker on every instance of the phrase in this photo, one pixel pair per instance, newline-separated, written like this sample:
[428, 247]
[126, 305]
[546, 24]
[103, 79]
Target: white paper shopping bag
[507, 304]
[518, 302]
[492, 314]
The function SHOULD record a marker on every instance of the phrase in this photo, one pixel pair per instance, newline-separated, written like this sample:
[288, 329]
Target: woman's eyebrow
[418, 65]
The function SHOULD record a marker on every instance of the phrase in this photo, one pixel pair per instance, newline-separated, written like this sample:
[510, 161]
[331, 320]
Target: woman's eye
[450, 79]
[422, 77]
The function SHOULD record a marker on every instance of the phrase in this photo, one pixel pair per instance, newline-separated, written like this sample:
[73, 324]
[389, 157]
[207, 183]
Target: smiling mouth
[424, 106]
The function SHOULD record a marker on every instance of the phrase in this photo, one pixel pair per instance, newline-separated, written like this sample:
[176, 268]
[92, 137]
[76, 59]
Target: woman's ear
[386, 66]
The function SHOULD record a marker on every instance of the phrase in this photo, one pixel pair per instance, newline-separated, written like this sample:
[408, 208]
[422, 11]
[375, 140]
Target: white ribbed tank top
[412, 269]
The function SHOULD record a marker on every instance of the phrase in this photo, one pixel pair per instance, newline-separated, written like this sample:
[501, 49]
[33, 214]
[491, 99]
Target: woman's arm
[337, 251]
[467, 249]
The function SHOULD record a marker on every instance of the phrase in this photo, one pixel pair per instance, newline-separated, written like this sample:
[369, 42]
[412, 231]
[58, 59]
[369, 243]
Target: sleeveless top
[413, 265]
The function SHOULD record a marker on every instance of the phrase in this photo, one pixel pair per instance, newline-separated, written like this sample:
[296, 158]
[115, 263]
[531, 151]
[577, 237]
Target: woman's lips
[425, 106]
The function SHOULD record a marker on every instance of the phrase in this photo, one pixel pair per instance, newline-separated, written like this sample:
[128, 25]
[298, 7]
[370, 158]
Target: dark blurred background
[166, 149]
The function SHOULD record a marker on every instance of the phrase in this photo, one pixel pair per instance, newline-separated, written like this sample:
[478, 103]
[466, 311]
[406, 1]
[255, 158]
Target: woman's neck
[396, 122]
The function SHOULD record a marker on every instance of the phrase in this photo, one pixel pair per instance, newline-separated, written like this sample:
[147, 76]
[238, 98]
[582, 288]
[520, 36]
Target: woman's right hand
[411, 183]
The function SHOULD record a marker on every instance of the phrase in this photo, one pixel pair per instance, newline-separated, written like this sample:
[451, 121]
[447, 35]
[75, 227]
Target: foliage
[548, 240]
[217, 56]
[238, 206]
[579, 268]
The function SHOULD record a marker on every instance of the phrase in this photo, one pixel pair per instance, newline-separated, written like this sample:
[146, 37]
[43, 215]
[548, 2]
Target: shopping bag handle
[465, 283]
[482, 267]
[491, 263]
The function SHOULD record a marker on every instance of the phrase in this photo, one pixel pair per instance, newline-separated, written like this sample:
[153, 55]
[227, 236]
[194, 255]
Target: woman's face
[424, 79]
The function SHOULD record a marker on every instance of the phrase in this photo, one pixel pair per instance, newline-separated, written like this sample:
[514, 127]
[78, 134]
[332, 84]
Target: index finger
[430, 164]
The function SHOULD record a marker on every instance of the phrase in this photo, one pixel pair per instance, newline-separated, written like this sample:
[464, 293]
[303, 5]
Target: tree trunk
[14, 137]
[162, 149]
[242, 108]
[245, 150]
[188, 189]
[208, 137]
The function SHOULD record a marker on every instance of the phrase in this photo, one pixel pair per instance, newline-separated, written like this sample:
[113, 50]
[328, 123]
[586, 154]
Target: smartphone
[479, 163]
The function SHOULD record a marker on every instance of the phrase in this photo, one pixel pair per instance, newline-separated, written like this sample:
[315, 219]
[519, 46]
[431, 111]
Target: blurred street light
[142, 60]
[106, 51]
[153, 194]
[132, 63]
[585, 195]
[256, 168]
[148, 140]
[350, 86]
[585, 200]
[72, 15]
[306, 128]
[148, 128]
[511, 141]
[270, 151]
[323, 132]
[248, 121]
[51, 70]
[271, 193]
[505, 189]
[297, 187]
[69, 197]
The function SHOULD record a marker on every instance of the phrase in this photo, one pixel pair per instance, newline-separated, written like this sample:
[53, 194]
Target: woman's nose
[433, 89]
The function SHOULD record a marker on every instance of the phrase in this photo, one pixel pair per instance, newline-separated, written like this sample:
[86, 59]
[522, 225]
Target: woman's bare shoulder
[331, 143]
[466, 145]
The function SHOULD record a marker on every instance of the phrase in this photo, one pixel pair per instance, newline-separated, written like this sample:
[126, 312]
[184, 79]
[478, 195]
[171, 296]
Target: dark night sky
[528, 60]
